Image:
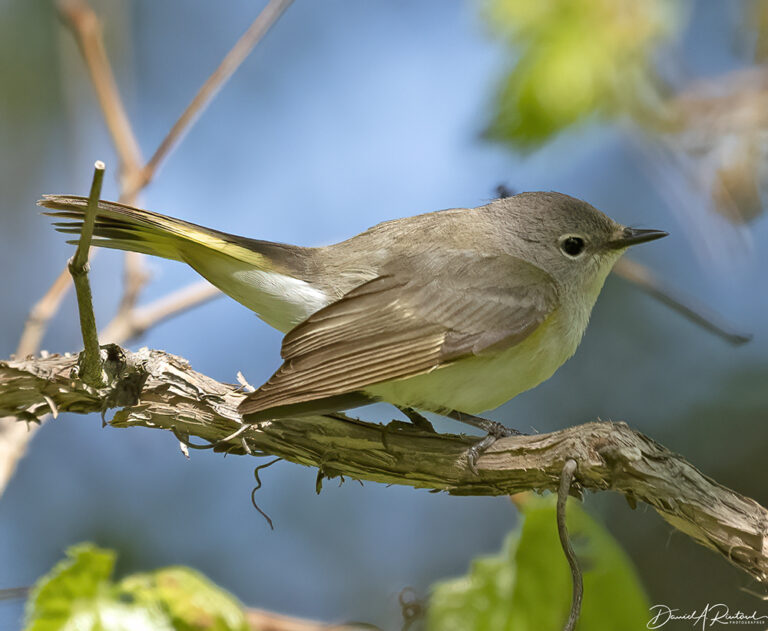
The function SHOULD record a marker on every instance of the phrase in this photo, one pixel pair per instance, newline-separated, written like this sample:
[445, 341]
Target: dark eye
[572, 246]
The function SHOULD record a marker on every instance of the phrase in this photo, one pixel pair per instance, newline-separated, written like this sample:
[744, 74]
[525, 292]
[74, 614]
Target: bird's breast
[476, 384]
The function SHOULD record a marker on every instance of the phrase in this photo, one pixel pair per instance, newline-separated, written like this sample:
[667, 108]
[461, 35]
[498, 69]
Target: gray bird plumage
[459, 309]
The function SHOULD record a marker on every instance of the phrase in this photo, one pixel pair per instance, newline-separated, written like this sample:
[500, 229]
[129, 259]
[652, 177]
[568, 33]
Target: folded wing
[421, 313]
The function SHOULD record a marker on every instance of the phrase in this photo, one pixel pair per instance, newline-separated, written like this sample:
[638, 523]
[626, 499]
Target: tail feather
[275, 280]
[126, 228]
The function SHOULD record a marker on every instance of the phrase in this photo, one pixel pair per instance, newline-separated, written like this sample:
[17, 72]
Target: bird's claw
[476, 450]
[495, 431]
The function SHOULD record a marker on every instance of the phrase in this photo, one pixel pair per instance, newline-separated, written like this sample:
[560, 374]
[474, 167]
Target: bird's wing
[420, 313]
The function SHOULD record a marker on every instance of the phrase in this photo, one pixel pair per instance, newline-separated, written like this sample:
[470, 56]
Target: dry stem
[90, 368]
[156, 389]
[86, 29]
[231, 62]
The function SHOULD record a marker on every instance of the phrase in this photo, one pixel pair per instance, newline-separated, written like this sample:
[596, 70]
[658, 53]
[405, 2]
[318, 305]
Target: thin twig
[260, 620]
[645, 279]
[80, 259]
[84, 23]
[256, 31]
[87, 31]
[86, 28]
[41, 313]
[78, 267]
[130, 325]
[12, 593]
[566, 479]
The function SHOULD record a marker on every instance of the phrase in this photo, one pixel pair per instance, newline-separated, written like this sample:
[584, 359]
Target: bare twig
[87, 31]
[256, 31]
[132, 324]
[41, 313]
[135, 277]
[645, 279]
[15, 437]
[85, 26]
[78, 267]
[260, 620]
[566, 480]
[610, 455]
[12, 593]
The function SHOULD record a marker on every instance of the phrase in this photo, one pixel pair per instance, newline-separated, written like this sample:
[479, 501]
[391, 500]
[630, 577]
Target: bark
[152, 388]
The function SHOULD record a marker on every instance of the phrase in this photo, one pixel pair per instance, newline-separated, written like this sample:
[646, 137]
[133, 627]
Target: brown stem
[242, 48]
[90, 367]
[86, 28]
[159, 390]
[642, 277]
[566, 481]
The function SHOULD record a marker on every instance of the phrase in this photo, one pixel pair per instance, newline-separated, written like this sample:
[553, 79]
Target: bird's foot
[494, 429]
[494, 433]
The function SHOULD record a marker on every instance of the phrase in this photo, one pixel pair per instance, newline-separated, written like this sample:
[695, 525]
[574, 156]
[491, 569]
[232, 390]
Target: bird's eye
[572, 246]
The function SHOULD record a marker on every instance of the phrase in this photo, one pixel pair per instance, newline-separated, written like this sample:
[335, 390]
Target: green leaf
[190, 599]
[79, 595]
[527, 587]
[68, 590]
[577, 59]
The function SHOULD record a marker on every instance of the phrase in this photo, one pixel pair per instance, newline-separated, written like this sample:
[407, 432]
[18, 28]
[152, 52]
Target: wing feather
[419, 314]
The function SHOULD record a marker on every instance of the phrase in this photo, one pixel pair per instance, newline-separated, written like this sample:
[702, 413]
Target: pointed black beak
[633, 236]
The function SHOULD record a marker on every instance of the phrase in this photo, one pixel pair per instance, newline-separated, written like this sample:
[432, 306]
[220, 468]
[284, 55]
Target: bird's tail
[124, 227]
[272, 279]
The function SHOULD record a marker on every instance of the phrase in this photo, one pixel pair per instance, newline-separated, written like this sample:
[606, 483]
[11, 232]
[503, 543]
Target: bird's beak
[633, 236]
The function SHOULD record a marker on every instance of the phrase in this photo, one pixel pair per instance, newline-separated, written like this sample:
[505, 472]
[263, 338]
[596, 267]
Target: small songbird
[453, 312]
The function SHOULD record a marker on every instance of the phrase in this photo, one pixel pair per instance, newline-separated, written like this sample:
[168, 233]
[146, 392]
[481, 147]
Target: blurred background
[352, 113]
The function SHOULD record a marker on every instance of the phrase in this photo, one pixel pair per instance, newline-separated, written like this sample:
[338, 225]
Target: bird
[452, 312]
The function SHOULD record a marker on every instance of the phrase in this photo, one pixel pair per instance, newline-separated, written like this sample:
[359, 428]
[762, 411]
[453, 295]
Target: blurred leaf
[527, 587]
[736, 186]
[577, 58]
[191, 600]
[719, 135]
[70, 592]
[78, 594]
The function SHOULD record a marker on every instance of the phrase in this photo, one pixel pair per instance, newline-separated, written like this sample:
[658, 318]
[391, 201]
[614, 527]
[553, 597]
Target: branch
[78, 267]
[231, 62]
[41, 313]
[261, 620]
[129, 320]
[155, 389]
[86, 28]
[128, 325]
[643, 278]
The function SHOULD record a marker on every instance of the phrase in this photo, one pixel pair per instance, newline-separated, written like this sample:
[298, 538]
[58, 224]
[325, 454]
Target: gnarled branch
[156, 389]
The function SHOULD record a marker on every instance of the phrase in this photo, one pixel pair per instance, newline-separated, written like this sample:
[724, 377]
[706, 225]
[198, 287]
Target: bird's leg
[494, 428]
[495, 431]
[417, 419]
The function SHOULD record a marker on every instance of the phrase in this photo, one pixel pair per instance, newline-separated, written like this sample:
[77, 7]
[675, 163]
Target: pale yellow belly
[477, 384]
